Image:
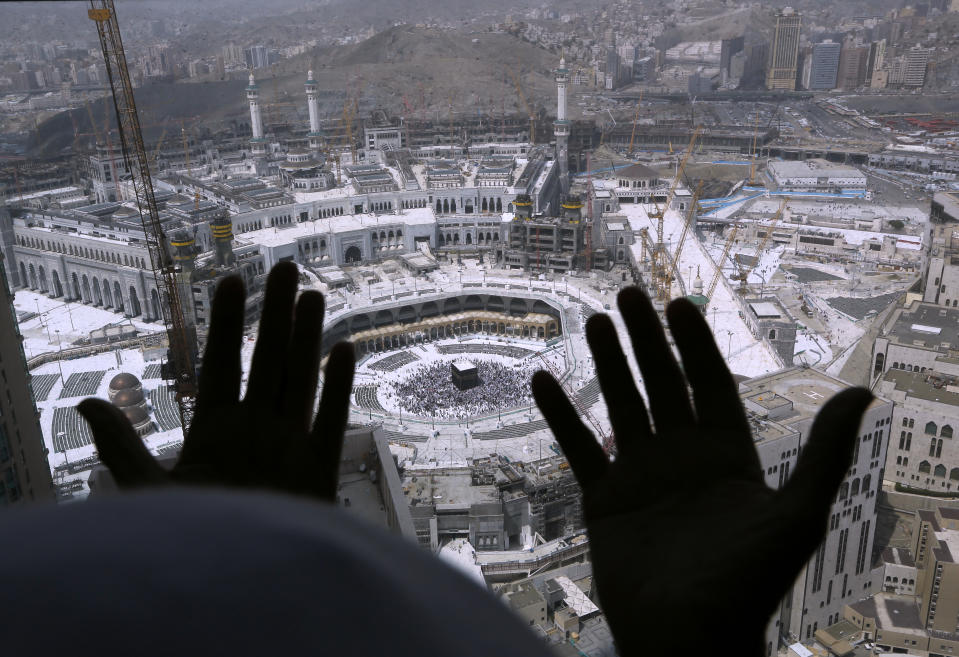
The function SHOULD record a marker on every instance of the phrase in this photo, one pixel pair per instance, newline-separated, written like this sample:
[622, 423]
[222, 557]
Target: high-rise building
[754, 66]
[875, 60]
[233, 54]
[917, 59]
[825, 66]
[852, 65]
[257, 57]
[782, 405]
[877, 57]
[612, 68]
[784, 53]
[728, 48]
[24, 470]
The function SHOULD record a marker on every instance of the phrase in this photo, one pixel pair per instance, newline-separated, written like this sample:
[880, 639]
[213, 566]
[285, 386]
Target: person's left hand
[263, 440]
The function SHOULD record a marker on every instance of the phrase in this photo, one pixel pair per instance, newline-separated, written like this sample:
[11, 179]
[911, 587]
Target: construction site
[460, 253]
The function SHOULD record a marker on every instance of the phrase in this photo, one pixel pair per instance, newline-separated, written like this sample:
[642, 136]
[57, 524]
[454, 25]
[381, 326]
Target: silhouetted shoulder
[200, 572]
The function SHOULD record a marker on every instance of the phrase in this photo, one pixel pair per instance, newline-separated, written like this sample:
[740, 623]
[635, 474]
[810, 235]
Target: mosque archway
[118, 297]
[353, 254]
[135, 309]
[57, 286]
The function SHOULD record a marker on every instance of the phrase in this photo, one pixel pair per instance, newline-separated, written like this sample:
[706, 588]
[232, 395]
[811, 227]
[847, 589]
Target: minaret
[561, 125]
[312, 104]
[258, 143]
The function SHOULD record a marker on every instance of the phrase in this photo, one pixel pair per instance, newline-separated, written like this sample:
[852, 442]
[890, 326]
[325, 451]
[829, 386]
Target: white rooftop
[765, 309]
[922, 328]
[346, 223]
[575, 598]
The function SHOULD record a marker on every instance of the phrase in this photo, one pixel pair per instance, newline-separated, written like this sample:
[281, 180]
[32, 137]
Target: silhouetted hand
[265, 439]
[688, 543]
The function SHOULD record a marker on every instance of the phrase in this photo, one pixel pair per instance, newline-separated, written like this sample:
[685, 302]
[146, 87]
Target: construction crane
[451, 127]
[719, 263]
[350, 110]
[632, 136]
[529, 111]
[156, 152]
[182, 338]
[659, 255]
[744, 270]
[674, 260]
[189, 172]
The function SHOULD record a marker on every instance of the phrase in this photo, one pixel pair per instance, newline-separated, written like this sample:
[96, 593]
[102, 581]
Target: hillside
[431, 67]
[752, 22]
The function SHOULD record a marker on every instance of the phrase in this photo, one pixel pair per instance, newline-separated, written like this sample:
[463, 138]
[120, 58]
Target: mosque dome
[127, 397]
[139, 419]
[125, 381]
[136, 415]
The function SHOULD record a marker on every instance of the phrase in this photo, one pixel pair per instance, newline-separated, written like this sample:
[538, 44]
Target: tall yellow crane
[529, 111]
[673, 264]
[659, 255]
[189, 170]
[350, 110]
[752, 154]
[451, 127]
[719, 263]
[156, 152]
[182, 338]
[744, 270]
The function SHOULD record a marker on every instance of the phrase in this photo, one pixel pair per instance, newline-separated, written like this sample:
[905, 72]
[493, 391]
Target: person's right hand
[688, 543]
[264, 440]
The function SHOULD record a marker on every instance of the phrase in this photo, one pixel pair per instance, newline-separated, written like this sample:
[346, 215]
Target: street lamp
[59, 356]
[70, 313]
[729, 344]
[66, 454]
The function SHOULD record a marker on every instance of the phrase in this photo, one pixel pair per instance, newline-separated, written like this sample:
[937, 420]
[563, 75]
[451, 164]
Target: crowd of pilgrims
[428, 390]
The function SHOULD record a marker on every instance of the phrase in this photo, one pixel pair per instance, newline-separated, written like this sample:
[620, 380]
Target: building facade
[784, 52]
[825, 66]
[839, 571]
[24, 470]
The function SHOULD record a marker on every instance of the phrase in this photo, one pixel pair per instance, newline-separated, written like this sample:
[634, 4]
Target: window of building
[931, 428]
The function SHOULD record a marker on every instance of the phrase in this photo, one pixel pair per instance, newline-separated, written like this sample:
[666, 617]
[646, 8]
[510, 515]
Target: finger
[719, 408]
[627, 410]
[668, 398]
[120, 449]
[808, 495]
[267, 370]
[220, 373]
[304, 359]
[584, 454]
[330, 424]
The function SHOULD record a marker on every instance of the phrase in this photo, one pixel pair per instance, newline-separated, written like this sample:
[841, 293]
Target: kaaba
[465, 375]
